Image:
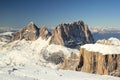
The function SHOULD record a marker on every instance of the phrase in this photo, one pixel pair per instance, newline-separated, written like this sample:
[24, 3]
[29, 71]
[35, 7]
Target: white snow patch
[67, 51]
[6, 33]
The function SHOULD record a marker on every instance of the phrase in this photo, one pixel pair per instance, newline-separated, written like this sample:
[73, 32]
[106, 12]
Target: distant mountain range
[105, 33]
[102, 32]
[71, 46]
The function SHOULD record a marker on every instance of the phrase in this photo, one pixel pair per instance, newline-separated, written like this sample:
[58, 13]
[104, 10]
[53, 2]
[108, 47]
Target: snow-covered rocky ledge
[103, 57]
[110, 46]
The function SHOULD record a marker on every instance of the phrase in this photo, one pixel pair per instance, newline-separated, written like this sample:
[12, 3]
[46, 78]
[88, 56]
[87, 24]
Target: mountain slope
[31, 72]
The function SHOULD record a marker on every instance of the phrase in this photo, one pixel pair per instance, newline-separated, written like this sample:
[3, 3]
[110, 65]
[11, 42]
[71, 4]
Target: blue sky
[18, 13]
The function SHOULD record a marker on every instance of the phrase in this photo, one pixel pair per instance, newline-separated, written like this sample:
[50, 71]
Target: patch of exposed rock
[55, 58]
[44, 33]
[30, 32]
[72, 35]
[99, 63]
[70, 62]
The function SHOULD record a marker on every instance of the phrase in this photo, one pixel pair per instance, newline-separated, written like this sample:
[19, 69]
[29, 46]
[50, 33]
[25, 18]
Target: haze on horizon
[18, 13]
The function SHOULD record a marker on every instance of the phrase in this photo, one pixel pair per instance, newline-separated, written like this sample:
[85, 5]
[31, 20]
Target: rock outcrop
[30, 32]
[95, 62]
[72, 35]
[98, 61]
[70, 62]
[44, 33]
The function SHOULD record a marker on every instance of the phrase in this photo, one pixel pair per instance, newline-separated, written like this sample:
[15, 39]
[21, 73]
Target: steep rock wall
[95, 62]
[72, 35]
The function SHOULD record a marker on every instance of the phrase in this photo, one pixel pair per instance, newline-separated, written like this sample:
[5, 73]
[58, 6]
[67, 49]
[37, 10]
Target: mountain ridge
[69, 35]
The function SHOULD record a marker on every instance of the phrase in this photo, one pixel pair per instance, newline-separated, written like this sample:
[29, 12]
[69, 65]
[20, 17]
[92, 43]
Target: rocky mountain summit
[69, 35]
[72, 35]
[30, 32]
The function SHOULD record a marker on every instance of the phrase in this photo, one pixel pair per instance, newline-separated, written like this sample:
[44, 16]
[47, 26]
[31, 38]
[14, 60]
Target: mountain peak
[31, 23]
[29, 32]
[72, 35]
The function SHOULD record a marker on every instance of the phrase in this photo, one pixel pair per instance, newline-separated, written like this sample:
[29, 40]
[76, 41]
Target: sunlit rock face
[44, 33]
[30, 32]
[72, 35]
[103, 57]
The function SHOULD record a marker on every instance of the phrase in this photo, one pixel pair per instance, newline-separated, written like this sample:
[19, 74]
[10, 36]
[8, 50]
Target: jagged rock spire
[72, 35]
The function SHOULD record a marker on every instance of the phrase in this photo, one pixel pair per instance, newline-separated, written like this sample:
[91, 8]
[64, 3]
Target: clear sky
[18, 13]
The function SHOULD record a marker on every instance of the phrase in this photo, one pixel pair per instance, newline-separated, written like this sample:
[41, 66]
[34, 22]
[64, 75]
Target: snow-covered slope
[29, 72]
[110, 46]
[23, 52]
[23, 60]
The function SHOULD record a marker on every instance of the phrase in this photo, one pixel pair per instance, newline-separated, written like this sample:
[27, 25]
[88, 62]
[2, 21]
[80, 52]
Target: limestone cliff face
[30, 32]
[72, 35]
[95, 62]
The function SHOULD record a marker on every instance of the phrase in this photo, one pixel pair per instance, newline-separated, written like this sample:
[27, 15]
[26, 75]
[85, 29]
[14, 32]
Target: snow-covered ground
[33, 72]
[110, 46]
[23, 52]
